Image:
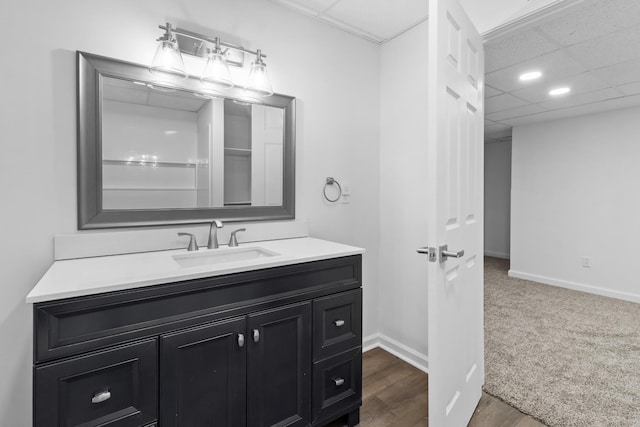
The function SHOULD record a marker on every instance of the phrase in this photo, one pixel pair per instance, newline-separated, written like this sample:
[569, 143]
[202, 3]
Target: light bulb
[168, 60]
[216, 71]
[259, 82]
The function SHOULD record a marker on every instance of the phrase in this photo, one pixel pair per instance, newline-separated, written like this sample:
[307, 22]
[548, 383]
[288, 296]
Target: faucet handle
[193, 245]
[233, 241]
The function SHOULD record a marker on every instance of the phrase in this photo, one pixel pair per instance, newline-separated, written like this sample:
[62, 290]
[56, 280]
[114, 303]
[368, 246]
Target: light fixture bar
[196, 36]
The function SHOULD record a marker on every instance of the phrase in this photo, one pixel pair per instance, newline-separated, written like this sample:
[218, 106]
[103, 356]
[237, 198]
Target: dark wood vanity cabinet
[279, 346]
[203, 376]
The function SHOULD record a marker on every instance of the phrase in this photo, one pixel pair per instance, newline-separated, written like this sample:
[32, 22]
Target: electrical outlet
[586, 261]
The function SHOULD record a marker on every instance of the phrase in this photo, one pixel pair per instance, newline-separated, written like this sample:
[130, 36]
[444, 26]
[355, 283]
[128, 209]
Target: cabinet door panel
[203, 376]
[279, 383]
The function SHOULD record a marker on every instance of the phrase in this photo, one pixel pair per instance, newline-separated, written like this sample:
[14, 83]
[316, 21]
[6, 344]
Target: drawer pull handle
[101, 396]
[240, 340]
[338, 381]
[338, 322]
[256, 335]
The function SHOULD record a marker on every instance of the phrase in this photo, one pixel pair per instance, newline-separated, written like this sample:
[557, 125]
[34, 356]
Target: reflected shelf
[148, 163]
[237, 151]
[150, 188]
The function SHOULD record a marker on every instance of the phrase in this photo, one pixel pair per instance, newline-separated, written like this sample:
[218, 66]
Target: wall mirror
[155, 151]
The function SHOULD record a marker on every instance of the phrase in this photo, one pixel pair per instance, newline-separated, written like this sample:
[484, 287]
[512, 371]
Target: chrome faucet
[213, 234]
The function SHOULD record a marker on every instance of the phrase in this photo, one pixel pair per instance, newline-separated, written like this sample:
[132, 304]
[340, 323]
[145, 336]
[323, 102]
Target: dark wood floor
[395, 394]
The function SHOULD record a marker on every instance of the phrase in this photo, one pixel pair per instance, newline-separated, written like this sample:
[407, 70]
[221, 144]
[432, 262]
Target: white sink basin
[222, 256]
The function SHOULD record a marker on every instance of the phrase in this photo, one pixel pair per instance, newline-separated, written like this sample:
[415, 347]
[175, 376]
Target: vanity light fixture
[259, 82]
[216, 71]
[167, 59]
[531, 75]
[559, 91]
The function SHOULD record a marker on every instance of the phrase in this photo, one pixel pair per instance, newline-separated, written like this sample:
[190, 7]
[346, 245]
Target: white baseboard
[497, 255]
[403, 352]
[625, 296]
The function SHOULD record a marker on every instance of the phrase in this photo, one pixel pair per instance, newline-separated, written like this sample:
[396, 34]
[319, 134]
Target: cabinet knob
[240, 340]
[338, 381]
[101, 396]
[338, 322]
[256, 335]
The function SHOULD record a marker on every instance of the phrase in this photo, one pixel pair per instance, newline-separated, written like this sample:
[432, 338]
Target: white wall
[335, 77]
[575, 193]
[497, 198]
[403, 177]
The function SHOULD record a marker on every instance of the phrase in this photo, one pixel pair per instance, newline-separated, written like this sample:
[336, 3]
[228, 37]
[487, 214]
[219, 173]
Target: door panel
[203, 380]
[455, 162]
[279, 377]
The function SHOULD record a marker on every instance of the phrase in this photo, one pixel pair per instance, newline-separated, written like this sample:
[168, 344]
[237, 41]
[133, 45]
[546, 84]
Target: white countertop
[88, 276]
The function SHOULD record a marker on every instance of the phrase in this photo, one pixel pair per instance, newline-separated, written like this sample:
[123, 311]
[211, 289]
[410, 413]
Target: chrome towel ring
[331, 181]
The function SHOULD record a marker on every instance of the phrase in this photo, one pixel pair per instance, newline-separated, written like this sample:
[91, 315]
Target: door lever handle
[445, 253]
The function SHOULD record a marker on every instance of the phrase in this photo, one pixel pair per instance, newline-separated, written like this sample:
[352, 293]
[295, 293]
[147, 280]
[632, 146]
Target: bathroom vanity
[151, 340]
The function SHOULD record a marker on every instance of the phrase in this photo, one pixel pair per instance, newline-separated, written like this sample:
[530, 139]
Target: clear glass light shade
[168, 60]
[259, 82]
[217, 71]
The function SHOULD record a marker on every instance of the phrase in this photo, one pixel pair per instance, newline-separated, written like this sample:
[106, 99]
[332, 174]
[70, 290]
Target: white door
[455, 217]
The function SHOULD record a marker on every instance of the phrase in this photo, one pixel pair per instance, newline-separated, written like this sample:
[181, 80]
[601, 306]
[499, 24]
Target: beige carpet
[567, 358]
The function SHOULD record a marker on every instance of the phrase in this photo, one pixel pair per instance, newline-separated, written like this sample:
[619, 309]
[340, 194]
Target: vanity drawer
[337, 384]
[115, 388]
[337, 323]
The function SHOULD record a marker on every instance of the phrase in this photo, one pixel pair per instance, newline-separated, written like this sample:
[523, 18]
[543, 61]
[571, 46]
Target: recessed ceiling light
[559, 91]
[532, 75]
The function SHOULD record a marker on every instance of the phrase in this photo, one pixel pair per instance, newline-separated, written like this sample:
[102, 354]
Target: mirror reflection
[165, 148]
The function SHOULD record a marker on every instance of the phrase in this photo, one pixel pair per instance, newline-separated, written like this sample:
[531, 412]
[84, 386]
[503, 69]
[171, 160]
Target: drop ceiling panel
[554, 66]
[525, 110]
[607, 105]
[608, 50]
[586, 82]
[515, 49]
[582, 98]
[170, 101]
[630, 89]
[501, 103]
[620, 74]
[489, 91]
[130, 95]
[380, 17]
[594, 19]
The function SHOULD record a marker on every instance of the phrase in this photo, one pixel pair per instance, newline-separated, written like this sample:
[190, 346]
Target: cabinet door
[203, 376]
[279, 365]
